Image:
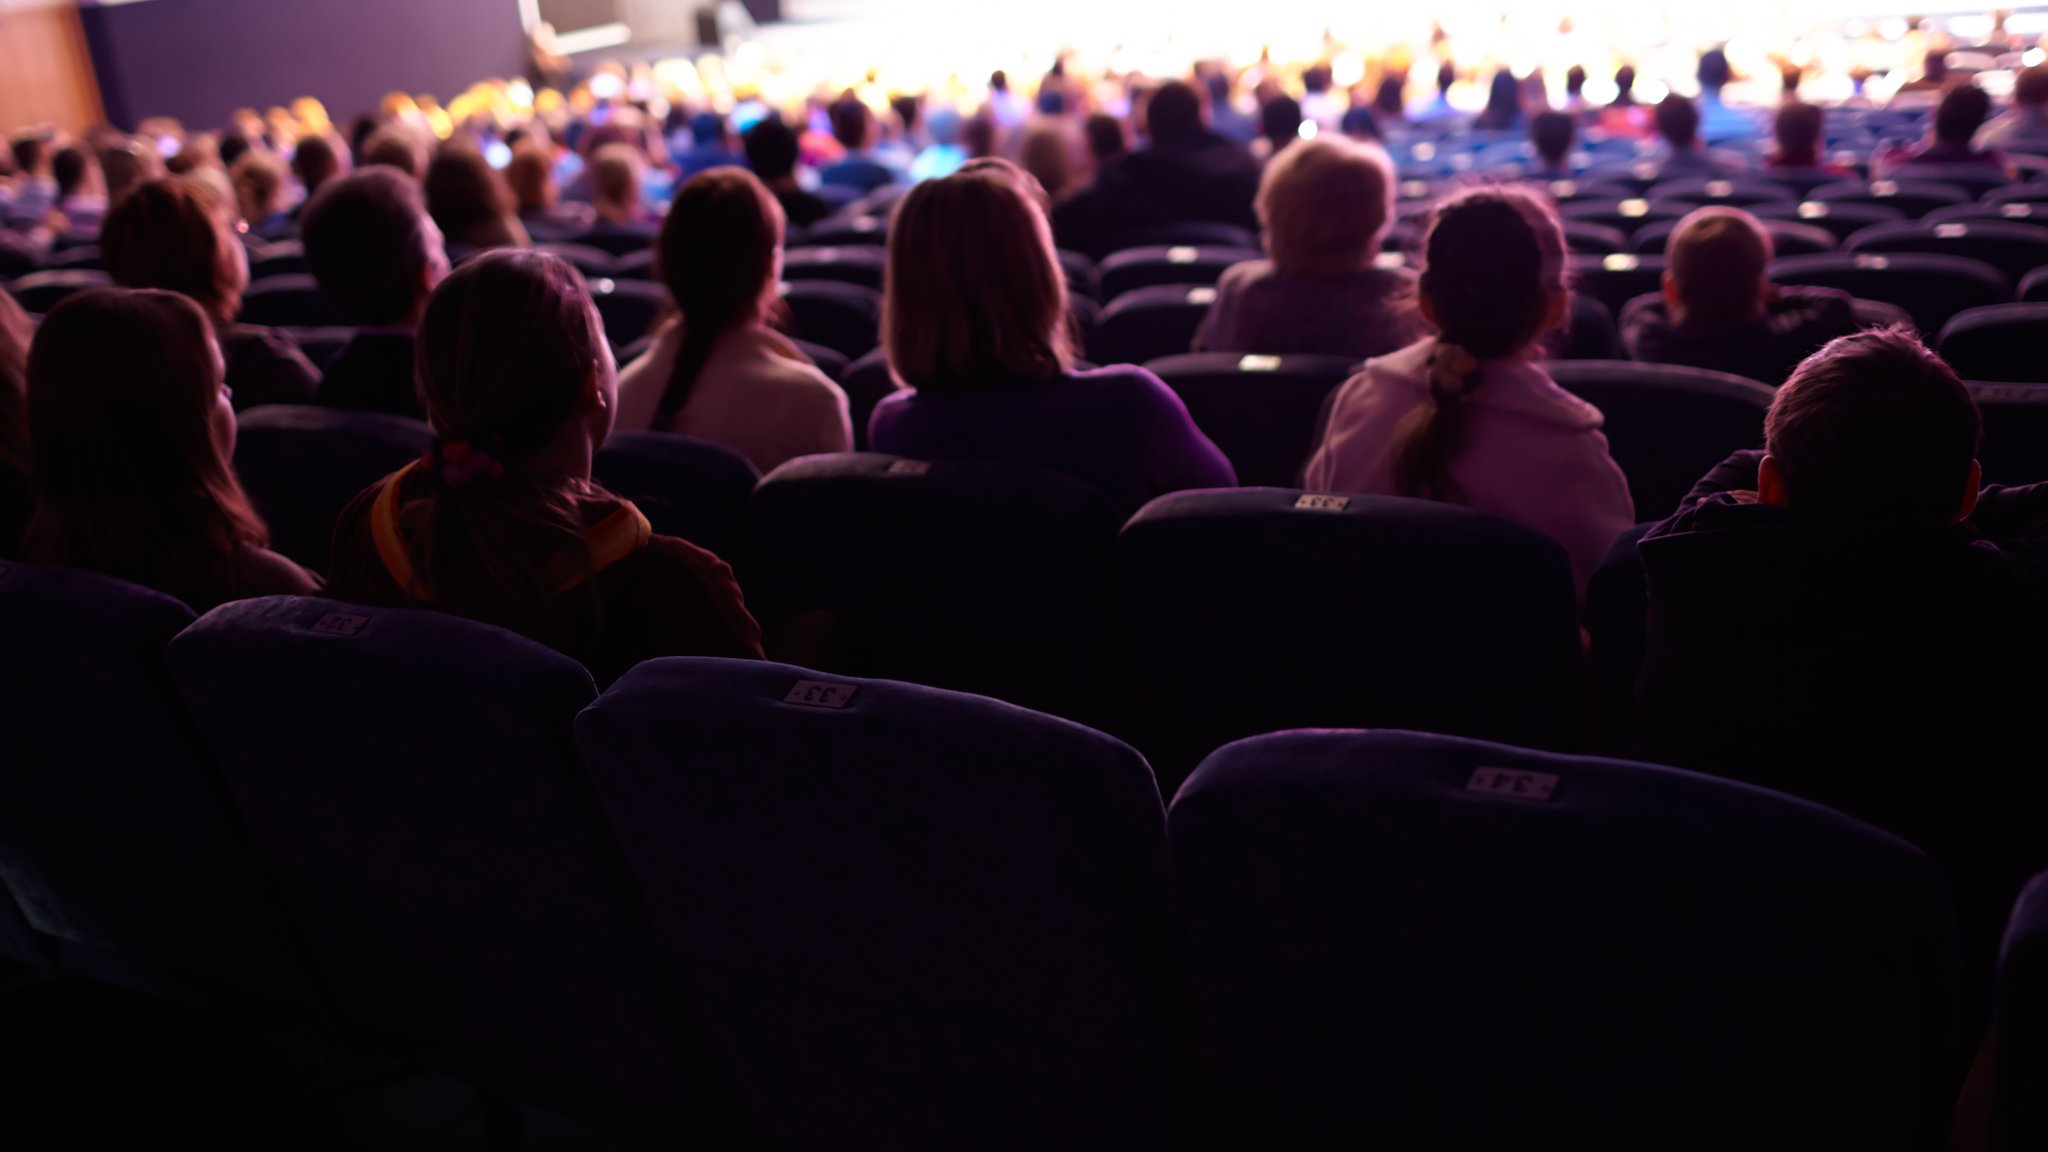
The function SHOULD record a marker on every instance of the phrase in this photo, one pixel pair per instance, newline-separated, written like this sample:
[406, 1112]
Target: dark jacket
[373, 373]
[1795, 325]
[1207, 178]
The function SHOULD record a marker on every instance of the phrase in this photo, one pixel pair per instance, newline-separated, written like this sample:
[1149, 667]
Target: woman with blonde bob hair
[1325, 205]
[976, 330]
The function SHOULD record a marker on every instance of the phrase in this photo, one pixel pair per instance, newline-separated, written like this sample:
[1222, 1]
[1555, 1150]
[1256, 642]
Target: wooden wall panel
[46, 74]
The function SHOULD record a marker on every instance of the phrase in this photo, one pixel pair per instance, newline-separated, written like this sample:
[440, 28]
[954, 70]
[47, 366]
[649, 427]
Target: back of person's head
[395, 146]
[1713, 72]
[1325, 205]
[2030, 87]
[707, 130]
[372, 246]
[177, 234]
[1678, 121]
[465, 195]
[1717, 259]
[131, 438]
[772, 149]
[1934, 66]
[1492, 284]
[1504, 99]
[1280, 121]
[126, 166]
[853, 125]
[1625, 85]
[233, 146]
[1359, 123]
[1216, 81]
[1045, 149]
[1963, 110]
[259, 185]
[72, 169]
[31, 151]
[615, 177]
[1174, 114]
[1874, 428]
[999, 81]
[720, 254]
[1446, 77]
[1575, 80]
[909, 110]
[975, 295]
[531, 176]
[512, 368]
[1798, 128]
[1106, 137]
[1388, 99]
[315, 162]
[1552, 133]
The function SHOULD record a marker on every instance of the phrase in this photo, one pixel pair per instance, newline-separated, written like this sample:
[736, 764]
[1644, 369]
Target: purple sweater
[1118, 429]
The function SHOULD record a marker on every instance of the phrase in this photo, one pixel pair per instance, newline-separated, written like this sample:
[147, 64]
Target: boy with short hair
[377, 255]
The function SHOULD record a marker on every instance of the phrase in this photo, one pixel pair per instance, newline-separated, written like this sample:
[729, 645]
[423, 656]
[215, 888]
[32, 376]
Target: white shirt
[757, 395]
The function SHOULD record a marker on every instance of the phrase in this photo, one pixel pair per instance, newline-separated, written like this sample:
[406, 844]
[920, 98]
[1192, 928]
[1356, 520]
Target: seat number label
[1512, 782]
[819, 694]
[340, 624]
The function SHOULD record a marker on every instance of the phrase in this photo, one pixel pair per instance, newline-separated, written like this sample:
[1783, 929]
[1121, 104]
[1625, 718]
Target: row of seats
[736, 897]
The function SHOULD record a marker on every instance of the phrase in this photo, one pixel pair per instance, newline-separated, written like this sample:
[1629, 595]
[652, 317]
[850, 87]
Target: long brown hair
[1494, 270]
[975, 296]
[718, 255]
[132, 479]
[507, 354]
[14, 339]
[173, 234]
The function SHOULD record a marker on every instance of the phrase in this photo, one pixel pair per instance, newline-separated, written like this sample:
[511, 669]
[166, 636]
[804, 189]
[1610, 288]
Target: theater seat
[1262, 609]
[2014, 249]
[1260, 410]
[1733, 192]
[1192, 233]
[1149, 323]
[1841, 218]
[979, 577]
[861, 264]
[629, 308]
[1135, 268]
[1408, 941]
[633, 266]
[1616, 280]
[1590, 333]
[1584, 238]
[1930, 287]
[39, 292]
[2009, 212]
[831, 363]
[1625, 216]
[1913, 198]
[412, 779]
[592, 262]
[908, 918]
[616, 241]
[1667, 425]
[867, 383]
[843, 232]
[291, 301]
[846, 318]
[283, 258]
[2019, 1109]
[685, 487]
[301, 466]
[2002, 342]
[1788, 237]
[2015, 447]
[321, 345]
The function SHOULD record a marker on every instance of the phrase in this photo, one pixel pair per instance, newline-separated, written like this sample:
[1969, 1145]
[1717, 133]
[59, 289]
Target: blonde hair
[1325, 205]
[1719, 258]
[615, 176]
[259, 185]
[975, 293]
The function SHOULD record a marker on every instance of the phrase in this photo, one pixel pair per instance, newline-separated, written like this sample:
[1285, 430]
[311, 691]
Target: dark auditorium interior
[914, 575]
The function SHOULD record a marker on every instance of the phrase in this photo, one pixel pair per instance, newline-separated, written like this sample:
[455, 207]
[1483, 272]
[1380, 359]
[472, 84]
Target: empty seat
[592, 262]
[1930, 287]
[1667, 425]
[2034, 193]
[293, 301]
[2003, 342]
[39, 292]
[2013, 249]
[1584, 238]
[843, 232]
[412, 779]
[2019, 1109]
[1788, 237]
[1404, 940]
[1150, 323]
[2010, 211]
[629, 307]
[1135, 268]
[846, 318]
[1973, 180]
[1263, 609]
[1192, 233]
[1735, 192]
[301, 466]
[684, 486]
[1842, 219]
[2015, 447]
[858, 264]
[909, 918]
[1616, 280]
[1914, 198]
[979, 577]
[1260, 410]
[1624, 216]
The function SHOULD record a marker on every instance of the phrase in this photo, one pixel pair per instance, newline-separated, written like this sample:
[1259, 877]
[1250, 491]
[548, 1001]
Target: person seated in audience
[126, 165]
[470, 202]
[1360, 125]
[1107, 141]
[316, 162]
[947, 149]
[1280, 121]
[1924, 90]
[259, 182]
[1624, 115]
[500, 522]
[711, 146]
[864, 168]
[1466, 415]
[1186, 173]
[399, 146]
[1848, 616]
[1719, 121]
[1552, 134]
[1719, 309]
[132, 440]
[1439, 108]
[1950, 143]
[1389, 106]
[35, 190]
[377, 255]
[17, 490]
[618, 194]
[177, 234]
[1575, 103]
[1224, 115]
[772, 150]
[81, 194]
[976, 329]
[1683, 158]
[1798, 130]
[1324, 206]
[718, 371]
[2026, 122]
[1503, 111]
[542, 211]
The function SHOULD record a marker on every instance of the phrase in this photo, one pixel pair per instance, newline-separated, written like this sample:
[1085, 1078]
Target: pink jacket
[1532, 452]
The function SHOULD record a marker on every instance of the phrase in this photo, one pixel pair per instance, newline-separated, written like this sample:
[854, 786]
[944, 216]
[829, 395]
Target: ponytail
[717, 256]
[1427, 440]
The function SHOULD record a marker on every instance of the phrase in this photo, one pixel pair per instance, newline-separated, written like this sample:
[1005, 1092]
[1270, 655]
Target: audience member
[1047, 150]
[1439, 109]
[81, 195]
[1107, 140]
[35, 190]
[2026, 122]
[1503, 111]
[471, 202]
[1719, 121]
[177, 234]
[711, 146]
[1280, 124]
[501, 522]
[1551, 134]
[1229, 121]
[1186, 173]
[717, 371]
[1465, 415]
[377, 255]
[1324, 206]
[863, 168]
[17, 490]
[542, 211]
[1624, 116]
[1719, 310]
[1924, 90]
[132, 439]
[618, 195]
[1950, 140]
[772, 151]
[976, 329]
[399, 146]
[1678, 124]
[259, 182]
[315, 162]
[1799, 130]
[1389, 108]
[1360, 125]
[1575, 103]
[126, 165]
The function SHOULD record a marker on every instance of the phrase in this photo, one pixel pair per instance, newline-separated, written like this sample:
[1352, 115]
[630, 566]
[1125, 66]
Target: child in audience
[17, 493]
[178, 234]
[718, 372]
[1325, 205]
[132, 438]
[470, 202]
[377, 256]
[1466, 415]
[975, 324]
[500, 522]
[1718, 310]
